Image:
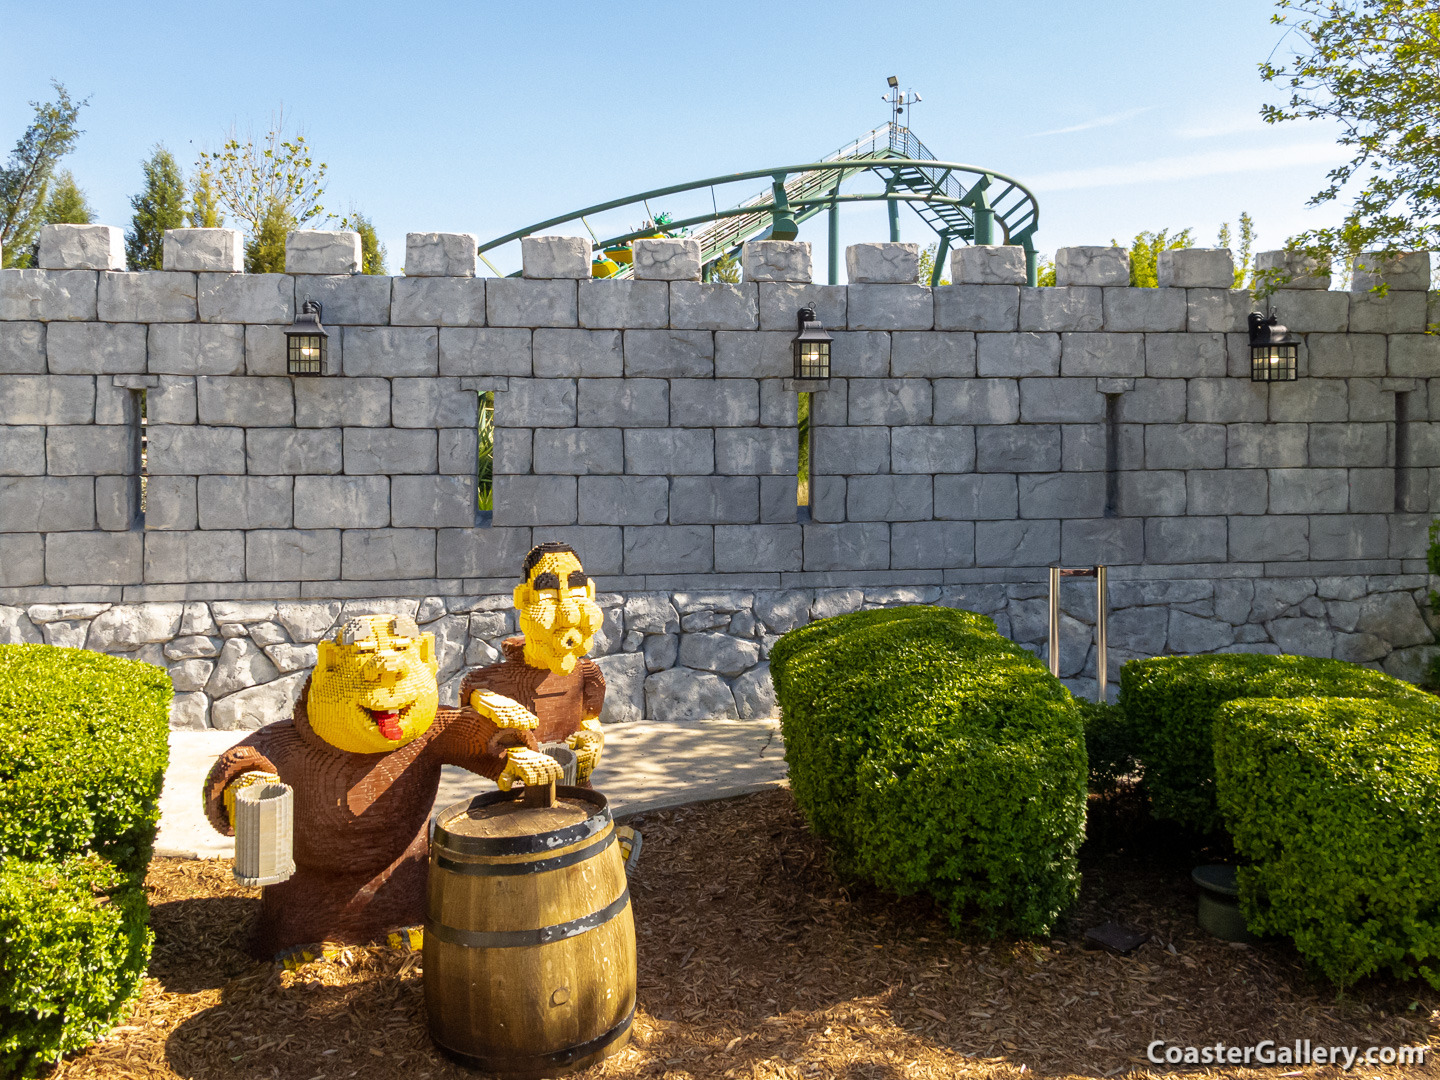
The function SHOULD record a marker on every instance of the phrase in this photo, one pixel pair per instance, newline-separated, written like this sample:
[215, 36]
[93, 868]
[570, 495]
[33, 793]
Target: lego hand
[503, 711]
[530, 766]
[587, 744]
[243, 782]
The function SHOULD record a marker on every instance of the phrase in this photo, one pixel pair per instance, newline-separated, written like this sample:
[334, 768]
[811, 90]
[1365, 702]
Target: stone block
[683, 694]
[720, 653]
[1410, 355]
[1394, 617]
[758, 548]
[1017, 355]
[1131, 310]
[92, 450]
[555, 257]
[22, 451]
[1205, 268]
[666, 260]
[481, 552]
[346, 402]
[848, 547]
[714, 500]
[1185, 356]
[827, 498]
[47, 504]
[1092, 266]
[778, 407]
[148, 297]
[437, 254]
[1228, 491]
[1060, 401]
[1269, 539]
[322, 251]
[292, 555]
[669, 354]
[624, 304]
[850, 451]
[535, 500]
[1191, 634]
[244, 401]
[756, 452]
[22, 564]
[195, 451]
[245, 502]
[1112, 541]
[714, 403]
[95, 348]
[1107, 355]
[931, 355]
[82, 247]
[246, 298]
[387, 554]
[1300, 491]
[1313, 400]
[390, 351]
[389, 451]
[1372, 491]
[920, 545]
[890, 307]
[216, 250]
[1267, 446]
[285, 452]
[1018, 448]
[988, 264]
[1185, 446]
[1311, 311]
[776, 260]
[1226, 401]
[178, 557]
[670, 452]
[714, 305]
[578, 451]
[984, 308]
[536, 403]
[1077, 309]
[779, 498]
[170, 503]
[438, 301]
[1291, 270]
[1349, 536]
[976, 497]
[623, 403]
[432, 502]
[500, 351]
[669, 549]
[22, 348]
[857, 355]
[1186, 539]
[1217, 310]
[92, 558]
[348, 300]
[781, 301]
[1062, 495]
[1355, 445]
[889, 498]
[578, 353]
[1394, 313]
[342, 502]
[196, 349]
[889, 401]
[624, 500]
[47, 295]
[1151, 494]
[458, 451]
[1346, 355]
[932, 450]
[1407, 270]
[512, 448]
[1017, 543]
[882, 264]
[767, 354]
[528, 302]
[1083, 447]
[1152, 401]
[828, 407]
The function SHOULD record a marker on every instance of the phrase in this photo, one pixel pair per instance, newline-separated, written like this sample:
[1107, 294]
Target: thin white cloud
[1189, 167]
[1232, 125]
[1102, 121]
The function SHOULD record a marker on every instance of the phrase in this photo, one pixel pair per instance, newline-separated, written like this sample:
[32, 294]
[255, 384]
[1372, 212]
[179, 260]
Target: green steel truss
[963, 204]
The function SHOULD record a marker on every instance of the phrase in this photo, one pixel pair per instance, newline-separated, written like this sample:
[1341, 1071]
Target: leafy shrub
[938, 757]
[1170, 703]
[74, 942]
[1109, 744]
[1337, 801]
[83, 749]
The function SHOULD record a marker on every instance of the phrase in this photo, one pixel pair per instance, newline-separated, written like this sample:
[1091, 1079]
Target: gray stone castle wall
[973, 434]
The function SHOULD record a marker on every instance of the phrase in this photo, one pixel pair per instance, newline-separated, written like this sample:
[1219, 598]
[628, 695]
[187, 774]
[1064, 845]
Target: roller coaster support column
[894, 207]
[835, 237]
[942, 248]
[782, 221]
[1026, 239]
[979, 201]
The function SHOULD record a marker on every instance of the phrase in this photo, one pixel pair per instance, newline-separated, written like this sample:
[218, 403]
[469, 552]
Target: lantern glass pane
[306, 354]
[1274, 363]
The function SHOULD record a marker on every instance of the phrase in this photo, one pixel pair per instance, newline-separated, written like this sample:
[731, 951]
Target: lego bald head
[557, 609]
[374, 688]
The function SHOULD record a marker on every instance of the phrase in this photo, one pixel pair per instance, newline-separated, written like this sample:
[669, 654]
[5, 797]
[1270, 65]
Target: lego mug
[264, 834]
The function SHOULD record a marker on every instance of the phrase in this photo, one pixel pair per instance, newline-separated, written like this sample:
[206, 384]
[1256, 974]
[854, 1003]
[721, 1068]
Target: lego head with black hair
[557, 609]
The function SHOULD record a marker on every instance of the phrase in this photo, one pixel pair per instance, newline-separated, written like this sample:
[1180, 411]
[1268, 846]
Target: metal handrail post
[1102, 644]
[1055, 621]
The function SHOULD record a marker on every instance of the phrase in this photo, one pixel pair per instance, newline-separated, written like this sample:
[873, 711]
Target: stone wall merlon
[666, 260]
[1408, 270]
[1092, 266]
[1205, 268]
[220, 250]
[322, 251]
[883, 264]
[81, 247]
[436, 254]
[776, 260]
[988, 265]
[1292, 270]
[555, 257]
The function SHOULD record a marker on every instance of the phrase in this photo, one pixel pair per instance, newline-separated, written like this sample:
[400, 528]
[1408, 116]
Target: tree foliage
[1247, 245]
[265, 249]
[205, 212]
[726, 269]
[372, 251]
[927, 264]
[160, 206]
[1369, 66]
[25, 177]
[1145, 254]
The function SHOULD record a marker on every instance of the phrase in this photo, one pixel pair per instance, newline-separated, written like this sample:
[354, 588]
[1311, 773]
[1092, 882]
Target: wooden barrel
[529, 937]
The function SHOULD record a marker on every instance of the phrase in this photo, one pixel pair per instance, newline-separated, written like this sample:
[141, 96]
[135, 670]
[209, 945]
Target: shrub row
[939, 757]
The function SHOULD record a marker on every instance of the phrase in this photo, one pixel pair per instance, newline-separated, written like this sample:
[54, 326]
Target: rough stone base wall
[698, 655]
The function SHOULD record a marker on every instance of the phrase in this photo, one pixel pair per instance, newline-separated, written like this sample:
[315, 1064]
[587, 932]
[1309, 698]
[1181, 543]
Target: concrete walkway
[646, 766]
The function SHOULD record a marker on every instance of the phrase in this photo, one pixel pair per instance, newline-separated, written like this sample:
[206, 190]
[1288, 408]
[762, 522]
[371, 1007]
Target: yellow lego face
[558, 613]
[374, 686]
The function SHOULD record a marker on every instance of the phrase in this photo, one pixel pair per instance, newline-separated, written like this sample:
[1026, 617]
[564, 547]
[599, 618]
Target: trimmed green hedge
[83, 749]
[1337, 802]
[938, 757]
[1170, 703]
[74, 942]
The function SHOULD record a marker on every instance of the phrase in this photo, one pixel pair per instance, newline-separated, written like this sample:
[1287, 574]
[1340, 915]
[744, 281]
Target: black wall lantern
[1273, 352]
[812, 347]
[306, 352]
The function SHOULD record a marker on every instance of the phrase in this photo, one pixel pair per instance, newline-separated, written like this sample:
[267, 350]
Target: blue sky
[481, 117]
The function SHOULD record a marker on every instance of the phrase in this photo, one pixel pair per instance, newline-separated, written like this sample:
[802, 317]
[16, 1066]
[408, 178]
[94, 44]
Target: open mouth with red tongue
[388, 721]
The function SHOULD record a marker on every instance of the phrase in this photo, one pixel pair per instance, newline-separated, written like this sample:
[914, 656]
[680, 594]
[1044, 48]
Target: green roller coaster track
[961, 203]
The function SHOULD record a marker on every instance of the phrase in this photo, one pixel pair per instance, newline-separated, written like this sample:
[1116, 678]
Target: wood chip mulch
[757, 962]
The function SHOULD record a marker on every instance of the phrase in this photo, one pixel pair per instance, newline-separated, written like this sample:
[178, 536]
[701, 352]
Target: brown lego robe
[560, 702]
[361, 822]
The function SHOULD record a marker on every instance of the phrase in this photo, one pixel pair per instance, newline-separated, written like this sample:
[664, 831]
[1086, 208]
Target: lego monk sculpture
[365, 744]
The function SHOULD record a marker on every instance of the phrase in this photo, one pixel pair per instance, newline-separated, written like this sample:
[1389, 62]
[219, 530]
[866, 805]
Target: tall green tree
[265, 249]
[927, 264]
[67, 204]
[1145, 253]
[25, 177]
[1373, 68]
[372, 251]
[1247, 245]
[205, 212]
[160, 206]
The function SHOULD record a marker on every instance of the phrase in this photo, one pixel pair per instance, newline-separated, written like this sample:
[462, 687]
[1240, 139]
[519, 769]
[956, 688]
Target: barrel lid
[1216, 878]
[497, 824]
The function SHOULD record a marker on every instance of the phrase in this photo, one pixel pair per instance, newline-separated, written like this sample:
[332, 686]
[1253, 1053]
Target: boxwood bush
[938, 757]
[74, 942]
[1337, 802]
[1170, 703]
[83, 749]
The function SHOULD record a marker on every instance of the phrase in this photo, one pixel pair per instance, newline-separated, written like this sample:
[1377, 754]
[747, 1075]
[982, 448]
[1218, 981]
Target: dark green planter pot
[1219, 904]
